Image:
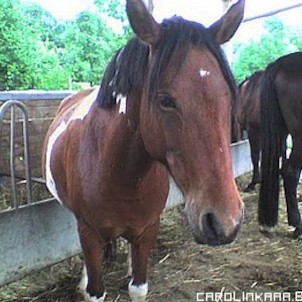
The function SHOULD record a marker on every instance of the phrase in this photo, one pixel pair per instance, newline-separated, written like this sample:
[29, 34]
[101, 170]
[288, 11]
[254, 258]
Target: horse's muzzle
[212, 232]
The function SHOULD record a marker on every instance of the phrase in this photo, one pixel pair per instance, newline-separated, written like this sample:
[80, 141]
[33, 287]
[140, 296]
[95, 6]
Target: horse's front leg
[91, 285]
[140, 249]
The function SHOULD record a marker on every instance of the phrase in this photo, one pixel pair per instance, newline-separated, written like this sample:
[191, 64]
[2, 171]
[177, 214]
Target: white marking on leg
[88, 298]
[82, 288]
[122, 100]
[137, 293]
[84, 107]
[204, 73]
[50, 182]
[84, 280]
[129, 261]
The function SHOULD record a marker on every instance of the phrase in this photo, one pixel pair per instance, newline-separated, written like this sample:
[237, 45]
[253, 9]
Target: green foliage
[113, 9]
[256, 55]
[17, 47]
[89, 45]
[39, 52]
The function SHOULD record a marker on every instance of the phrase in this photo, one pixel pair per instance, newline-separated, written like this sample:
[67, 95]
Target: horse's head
[185, 115]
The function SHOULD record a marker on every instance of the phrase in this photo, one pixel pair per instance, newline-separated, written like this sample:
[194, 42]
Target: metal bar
[33, 95]
[272, 13]
[11, 104]
[13, 155]
[27, 155]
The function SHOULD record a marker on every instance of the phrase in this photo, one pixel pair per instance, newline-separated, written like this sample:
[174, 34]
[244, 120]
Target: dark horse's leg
[291, 169]
[93, 250]
[141, 247]
[254, 139]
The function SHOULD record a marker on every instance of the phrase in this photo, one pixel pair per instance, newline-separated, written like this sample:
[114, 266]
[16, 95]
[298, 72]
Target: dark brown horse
[163, 107]
[281, 114]
[248, 116]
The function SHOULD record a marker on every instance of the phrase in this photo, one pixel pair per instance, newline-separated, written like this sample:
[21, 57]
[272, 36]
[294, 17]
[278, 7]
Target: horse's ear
[142, 22]
[224, 29]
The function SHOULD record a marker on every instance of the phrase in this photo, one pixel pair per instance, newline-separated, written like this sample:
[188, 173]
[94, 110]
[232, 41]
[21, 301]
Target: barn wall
[41, 107]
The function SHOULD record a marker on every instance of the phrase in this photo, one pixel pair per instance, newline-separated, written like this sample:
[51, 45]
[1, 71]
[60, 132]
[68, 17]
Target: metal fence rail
[12, 105]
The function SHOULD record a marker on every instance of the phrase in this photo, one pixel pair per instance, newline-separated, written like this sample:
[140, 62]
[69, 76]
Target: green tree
[49, 72]
[41, 23]
[39, 52]
[89, 46]
[112, 8]
[295, 38]
[256, 55]
[17, 51]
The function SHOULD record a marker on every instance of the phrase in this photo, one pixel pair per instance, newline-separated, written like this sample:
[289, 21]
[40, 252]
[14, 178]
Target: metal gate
[35, 234]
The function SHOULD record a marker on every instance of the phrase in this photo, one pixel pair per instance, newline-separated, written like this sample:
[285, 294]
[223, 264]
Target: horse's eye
[166, 101]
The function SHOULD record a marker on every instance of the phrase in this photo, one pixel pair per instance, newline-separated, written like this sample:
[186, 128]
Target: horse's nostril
[211, 227]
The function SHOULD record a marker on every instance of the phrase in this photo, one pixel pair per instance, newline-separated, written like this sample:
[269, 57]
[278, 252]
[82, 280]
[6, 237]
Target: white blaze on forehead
[122, 100]
[204, 73]
[50, 182]
[138, 293]
[83, 109]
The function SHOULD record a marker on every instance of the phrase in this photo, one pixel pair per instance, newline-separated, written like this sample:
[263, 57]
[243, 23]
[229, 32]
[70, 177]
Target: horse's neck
[124, 149]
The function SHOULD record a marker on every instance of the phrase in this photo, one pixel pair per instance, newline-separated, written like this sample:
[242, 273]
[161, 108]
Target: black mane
[129, 66]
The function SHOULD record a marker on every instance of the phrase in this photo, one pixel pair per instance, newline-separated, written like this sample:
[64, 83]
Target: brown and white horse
[163, 108]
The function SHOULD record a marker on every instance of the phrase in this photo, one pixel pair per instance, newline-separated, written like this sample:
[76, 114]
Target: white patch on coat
[83, 109]
[138, 293]
[80, 112]
[204, 73]
[50, 182]
[82, 288]
[122, 100]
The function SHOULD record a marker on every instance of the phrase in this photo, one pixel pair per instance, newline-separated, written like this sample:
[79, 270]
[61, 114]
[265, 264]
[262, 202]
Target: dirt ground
[180, 269]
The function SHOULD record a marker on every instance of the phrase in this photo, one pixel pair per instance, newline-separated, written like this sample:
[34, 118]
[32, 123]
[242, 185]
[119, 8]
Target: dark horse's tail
[110, 252]
[273, 142]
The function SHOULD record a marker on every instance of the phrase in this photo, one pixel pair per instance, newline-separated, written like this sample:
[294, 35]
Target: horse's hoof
[137, 293]
[250, 188]
[82, 289]
[88, 298]
[267, 231]
[298, 233]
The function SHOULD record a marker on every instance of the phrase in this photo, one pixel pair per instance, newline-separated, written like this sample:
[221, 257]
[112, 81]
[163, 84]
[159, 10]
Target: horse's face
[186, 126]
